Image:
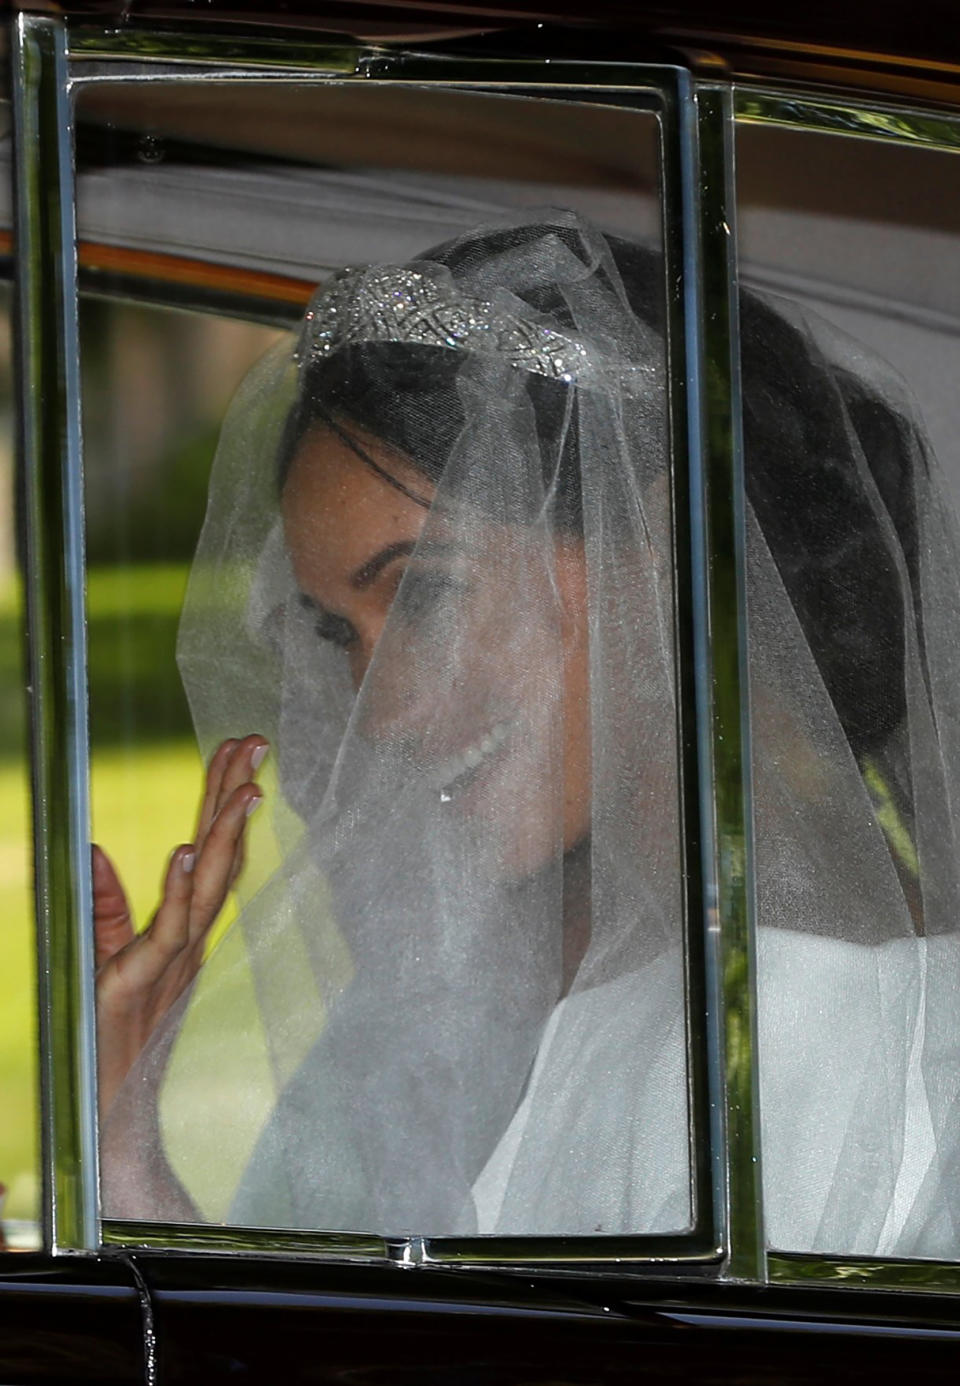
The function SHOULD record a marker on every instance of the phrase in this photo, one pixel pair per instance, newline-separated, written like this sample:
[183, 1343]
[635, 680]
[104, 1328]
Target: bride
[436, 584]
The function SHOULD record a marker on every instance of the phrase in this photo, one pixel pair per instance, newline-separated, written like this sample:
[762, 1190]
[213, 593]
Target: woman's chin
[516, 831]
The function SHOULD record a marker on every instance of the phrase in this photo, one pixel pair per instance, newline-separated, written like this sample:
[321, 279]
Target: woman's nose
[367, 620]
[360, 656]
[395, 700]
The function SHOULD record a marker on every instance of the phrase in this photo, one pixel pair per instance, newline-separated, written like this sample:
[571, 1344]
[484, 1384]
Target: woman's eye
[336, 630]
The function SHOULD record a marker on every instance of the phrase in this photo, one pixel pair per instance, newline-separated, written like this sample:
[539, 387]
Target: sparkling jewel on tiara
[403, 304]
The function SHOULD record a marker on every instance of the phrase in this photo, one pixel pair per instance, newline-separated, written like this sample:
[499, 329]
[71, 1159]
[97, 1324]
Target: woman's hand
[140, 976]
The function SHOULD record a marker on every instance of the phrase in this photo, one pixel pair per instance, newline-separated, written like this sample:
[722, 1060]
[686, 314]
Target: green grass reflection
[145, 776]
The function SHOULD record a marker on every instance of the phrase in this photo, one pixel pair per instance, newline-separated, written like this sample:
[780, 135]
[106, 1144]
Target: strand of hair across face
[361, 452]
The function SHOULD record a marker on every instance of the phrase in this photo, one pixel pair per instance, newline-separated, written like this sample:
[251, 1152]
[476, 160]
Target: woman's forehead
[333, 440]
[338, 511]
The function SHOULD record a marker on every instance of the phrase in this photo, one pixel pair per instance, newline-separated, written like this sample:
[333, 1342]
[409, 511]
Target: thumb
[112, 921]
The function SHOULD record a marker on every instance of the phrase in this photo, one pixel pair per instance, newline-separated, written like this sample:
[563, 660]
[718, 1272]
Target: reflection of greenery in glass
[18, 1121]
[146, 778]
[133, 617]
[156, 383]
[18, 1109]
[135, 691]
[905, 127]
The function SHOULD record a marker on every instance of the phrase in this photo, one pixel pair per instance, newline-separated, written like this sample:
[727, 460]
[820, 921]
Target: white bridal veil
[468, 948]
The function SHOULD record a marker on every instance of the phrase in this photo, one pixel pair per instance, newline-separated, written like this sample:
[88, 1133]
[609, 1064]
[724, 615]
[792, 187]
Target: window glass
[19, 1209]
[429, 625]
[155, 385]
[850, 353]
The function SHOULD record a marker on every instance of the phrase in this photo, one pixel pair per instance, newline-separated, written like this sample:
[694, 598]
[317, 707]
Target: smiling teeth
[469, 759]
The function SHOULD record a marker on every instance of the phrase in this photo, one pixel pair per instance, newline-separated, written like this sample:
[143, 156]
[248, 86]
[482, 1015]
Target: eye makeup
[328, 626]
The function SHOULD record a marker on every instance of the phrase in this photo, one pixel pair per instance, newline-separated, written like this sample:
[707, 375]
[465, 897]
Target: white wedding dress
[845, 1169]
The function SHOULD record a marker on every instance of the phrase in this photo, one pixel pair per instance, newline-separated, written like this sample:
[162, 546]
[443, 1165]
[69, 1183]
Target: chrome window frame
[756, 104]
[51, 62]
[47, 375]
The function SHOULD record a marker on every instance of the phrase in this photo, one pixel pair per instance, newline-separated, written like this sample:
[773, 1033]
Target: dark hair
[807, 428]
[821, 447]
[362, 384]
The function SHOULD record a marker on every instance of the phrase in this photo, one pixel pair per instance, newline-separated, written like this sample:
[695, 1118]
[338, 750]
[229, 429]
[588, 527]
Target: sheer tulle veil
[463, 919]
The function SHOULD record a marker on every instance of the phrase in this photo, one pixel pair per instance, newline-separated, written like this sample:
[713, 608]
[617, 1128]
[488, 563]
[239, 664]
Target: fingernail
[187, 862]
[259, 756]
[253, 804]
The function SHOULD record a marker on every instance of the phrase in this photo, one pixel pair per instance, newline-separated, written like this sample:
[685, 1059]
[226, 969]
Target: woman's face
[466, 641]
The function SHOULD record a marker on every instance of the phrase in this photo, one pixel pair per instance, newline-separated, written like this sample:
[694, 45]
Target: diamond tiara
[406, 304]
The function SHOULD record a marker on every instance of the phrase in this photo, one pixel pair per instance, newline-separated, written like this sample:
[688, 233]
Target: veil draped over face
[464, 924]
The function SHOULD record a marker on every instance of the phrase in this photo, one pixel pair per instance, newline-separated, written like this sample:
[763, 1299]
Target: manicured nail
[253, 804]
[259, 756]
[187, 862]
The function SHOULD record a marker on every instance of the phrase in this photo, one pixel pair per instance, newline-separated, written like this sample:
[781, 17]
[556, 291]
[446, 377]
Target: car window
[853, 711]
[431, 616]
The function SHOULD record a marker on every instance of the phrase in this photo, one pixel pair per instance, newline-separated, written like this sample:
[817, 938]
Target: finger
[237, 768]
[169, 931]
[131, 973]
[246, 760]
[112, 919]
[214, 779]
[239, 859]
[217, 863]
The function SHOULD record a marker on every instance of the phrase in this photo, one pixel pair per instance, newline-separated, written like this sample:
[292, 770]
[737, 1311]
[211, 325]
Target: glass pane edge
[157, 1236]
[878, 120]
[623, 1254]
[942, 1277]
[719, 525]
[50, 444]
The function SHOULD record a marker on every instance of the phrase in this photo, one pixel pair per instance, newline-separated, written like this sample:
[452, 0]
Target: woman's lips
[454, 772]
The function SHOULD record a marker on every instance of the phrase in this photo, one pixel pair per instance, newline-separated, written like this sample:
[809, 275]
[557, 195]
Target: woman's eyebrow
[369, 571]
